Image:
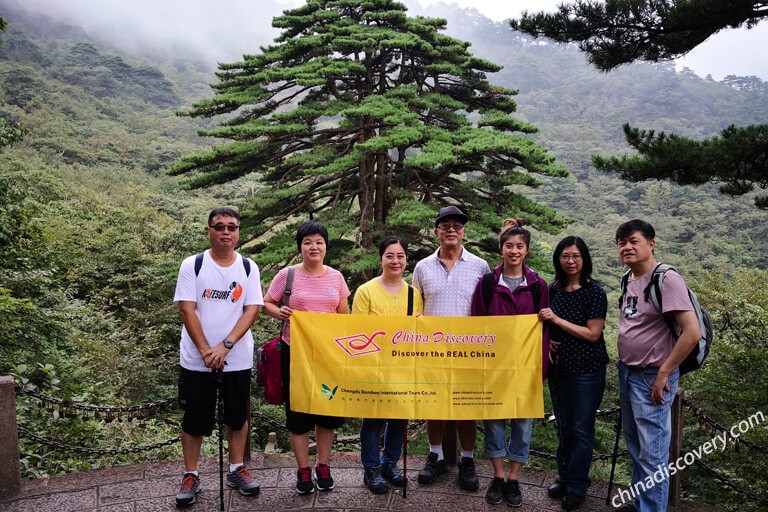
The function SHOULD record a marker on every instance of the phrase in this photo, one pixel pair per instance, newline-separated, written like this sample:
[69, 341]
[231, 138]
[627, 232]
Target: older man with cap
[447, 281]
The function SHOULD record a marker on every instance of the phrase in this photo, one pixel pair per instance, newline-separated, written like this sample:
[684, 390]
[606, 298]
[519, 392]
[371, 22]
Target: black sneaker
[242, 480]
[495, 491]
[432, 469]
[374, 481]
[393, 474]
[323, 475]
[304, 483]
[556, 490]
[190, 486]
[512, 494]
[467, 475]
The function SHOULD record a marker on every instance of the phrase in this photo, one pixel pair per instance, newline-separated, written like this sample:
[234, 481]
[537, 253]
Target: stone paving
[153, 486]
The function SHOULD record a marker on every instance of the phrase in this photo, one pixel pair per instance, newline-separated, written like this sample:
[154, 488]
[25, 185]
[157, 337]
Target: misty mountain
[578, 110]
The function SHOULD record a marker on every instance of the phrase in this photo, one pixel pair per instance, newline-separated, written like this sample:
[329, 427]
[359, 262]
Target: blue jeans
[575, 399]
[647, 432]
[517, 447]
[370, 434]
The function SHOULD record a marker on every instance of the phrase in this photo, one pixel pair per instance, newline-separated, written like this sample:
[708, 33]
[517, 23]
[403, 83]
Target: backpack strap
[624, 282]
[410, 300]
[487, 289]
[536, 292]
[199, 264]
[488, 286]
[652, 292]
[288, 286]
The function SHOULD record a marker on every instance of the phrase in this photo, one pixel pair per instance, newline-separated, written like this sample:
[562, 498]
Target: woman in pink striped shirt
[317, 288]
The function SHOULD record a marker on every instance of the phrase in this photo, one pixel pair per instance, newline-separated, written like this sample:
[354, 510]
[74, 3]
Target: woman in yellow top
[386, 295]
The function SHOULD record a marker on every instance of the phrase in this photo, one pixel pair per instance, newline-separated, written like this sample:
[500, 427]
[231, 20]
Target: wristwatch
[228, 344]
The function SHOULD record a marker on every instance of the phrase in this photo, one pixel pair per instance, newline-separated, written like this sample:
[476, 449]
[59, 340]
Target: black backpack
[652, 293]
[199, 264]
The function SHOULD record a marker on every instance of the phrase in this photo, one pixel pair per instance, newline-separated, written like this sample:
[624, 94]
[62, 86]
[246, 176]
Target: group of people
[219, 296]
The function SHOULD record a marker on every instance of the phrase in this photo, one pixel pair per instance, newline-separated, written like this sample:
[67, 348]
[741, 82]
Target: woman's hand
[553, 350]
[547, 315]
[284, 313]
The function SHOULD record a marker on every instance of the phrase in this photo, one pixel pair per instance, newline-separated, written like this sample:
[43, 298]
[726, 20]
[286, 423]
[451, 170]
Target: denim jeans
[575, 399]
[370, 434]
[517, 447]
[647, 432]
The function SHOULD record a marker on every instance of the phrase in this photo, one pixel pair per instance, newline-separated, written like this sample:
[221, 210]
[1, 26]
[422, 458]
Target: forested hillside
[92, 229]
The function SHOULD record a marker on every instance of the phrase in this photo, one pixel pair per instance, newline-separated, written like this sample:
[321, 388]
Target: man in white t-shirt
[649, 359]
[219, 296]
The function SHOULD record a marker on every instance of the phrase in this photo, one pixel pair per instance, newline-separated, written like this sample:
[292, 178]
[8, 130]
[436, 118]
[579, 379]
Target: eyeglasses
[225, 227]
[446, 227]
[566, 257]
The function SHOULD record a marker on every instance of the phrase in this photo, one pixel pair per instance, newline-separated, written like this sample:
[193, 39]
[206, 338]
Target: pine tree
[371, 120]
[618, 32]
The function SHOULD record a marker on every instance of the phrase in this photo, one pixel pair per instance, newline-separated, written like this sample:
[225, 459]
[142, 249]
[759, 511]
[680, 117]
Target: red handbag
[269, 369]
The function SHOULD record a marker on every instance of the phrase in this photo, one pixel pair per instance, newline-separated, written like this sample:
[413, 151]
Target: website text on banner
[449, 368]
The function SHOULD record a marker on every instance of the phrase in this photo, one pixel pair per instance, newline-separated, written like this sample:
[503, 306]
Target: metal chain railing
[730, 483]
[23, 433]
[708, 420]
[68, 408]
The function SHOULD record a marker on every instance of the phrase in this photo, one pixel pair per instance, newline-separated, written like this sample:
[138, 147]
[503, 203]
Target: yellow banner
[449, 368]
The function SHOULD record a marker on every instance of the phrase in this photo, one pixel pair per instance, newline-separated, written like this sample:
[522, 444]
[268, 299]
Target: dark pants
[575, 399]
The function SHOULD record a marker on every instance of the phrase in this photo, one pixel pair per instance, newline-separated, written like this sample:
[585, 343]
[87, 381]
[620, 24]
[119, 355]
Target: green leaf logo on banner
[328, 391]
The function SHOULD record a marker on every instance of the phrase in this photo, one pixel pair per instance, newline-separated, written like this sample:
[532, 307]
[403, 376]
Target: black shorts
[197, 398]
[300, 422]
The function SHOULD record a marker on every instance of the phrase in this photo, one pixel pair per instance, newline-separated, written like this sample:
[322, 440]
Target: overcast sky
[225, 29]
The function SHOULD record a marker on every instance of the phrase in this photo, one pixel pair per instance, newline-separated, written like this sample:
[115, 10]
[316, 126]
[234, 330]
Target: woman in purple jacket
[515, 292]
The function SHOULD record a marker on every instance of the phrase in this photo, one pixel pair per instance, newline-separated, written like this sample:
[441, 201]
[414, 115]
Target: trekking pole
[405, 457]
[219, 375]
[614, 456]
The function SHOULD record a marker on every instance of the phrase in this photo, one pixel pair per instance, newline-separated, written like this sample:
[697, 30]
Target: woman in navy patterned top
[577, 373]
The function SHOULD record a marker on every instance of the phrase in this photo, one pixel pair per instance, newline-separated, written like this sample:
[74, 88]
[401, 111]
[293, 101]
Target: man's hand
[214, 358]
[660, 384]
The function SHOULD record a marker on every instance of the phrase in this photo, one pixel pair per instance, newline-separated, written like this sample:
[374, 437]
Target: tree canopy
[617, 32]
[372, 120]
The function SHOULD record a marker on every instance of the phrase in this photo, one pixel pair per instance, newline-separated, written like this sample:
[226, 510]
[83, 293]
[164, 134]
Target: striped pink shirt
[319, 294]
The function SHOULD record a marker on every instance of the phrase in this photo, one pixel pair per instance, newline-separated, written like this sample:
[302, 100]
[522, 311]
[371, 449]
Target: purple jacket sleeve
[544, 303]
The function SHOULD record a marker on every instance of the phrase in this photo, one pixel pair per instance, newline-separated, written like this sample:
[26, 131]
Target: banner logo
[359, 344]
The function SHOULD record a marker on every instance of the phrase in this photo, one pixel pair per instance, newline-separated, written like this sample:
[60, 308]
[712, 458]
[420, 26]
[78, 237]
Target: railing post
[10, 476]
[676, 447]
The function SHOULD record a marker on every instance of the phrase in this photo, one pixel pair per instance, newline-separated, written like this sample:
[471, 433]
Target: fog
[223, 30]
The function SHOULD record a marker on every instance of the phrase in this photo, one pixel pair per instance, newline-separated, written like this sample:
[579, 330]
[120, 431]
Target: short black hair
[586, 261]
[310, 227]
[224, 212]
[633, 225]
[391, 240]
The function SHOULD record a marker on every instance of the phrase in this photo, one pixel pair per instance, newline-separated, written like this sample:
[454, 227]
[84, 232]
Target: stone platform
[153, 486]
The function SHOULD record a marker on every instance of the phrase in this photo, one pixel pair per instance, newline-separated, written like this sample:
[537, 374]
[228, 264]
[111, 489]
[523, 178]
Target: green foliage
[623, 31]
[737, 159]
[618, 32]
[358, 107]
